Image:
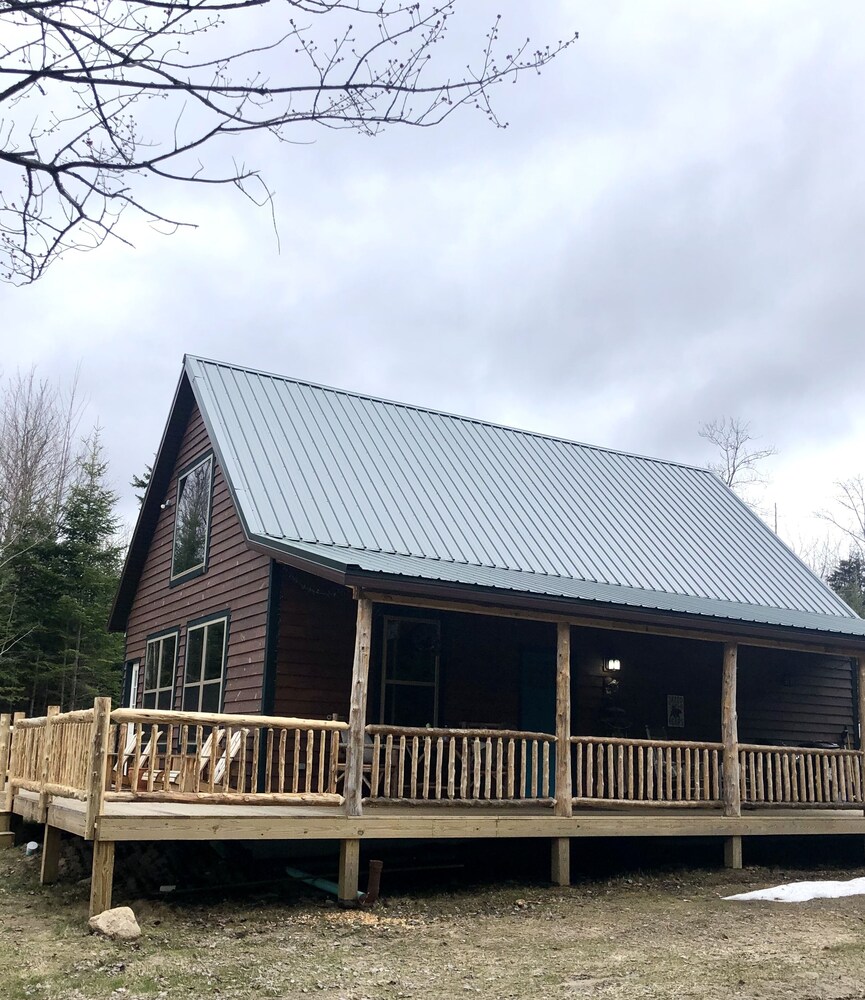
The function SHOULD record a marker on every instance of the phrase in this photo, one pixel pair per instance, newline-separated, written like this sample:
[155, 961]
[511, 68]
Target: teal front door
[538, 697]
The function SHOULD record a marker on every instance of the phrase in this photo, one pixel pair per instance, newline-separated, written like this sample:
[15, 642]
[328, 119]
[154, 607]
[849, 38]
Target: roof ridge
[445, 413]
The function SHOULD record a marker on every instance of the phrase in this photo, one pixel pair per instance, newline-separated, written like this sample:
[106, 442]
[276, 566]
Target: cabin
[353, 619]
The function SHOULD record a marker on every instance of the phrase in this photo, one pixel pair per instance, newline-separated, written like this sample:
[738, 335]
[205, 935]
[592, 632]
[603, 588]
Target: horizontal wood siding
[236, 581]
[315, 647]
[794, 697]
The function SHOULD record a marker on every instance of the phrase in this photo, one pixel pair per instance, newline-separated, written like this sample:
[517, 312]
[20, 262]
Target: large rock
[119, 924]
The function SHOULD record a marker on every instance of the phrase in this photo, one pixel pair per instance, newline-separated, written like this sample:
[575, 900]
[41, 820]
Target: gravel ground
[659, 934]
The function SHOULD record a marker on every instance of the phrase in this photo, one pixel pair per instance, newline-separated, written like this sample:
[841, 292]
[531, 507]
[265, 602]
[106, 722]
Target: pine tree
[848, 581]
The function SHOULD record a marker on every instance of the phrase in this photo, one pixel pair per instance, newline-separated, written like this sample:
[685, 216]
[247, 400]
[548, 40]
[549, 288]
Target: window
[409, 694]
[205, 666]
[192, 519]
[159, 667]
[130, 683]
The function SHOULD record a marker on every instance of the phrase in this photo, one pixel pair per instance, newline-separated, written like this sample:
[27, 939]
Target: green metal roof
[347, 481]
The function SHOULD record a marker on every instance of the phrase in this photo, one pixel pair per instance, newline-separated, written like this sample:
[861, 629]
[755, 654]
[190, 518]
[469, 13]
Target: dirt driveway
[639, 935]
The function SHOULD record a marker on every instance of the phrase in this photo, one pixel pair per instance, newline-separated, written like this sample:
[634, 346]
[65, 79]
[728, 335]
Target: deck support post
[564, 796]
[730, 733]
[732, 852]
[349, 871]
[50, 854]
[357, 711]
[6, 837]
[102, 881]
[98, 763]
[561, 861]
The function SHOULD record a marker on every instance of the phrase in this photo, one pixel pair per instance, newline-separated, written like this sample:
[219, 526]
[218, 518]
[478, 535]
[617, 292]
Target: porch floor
[151, 821]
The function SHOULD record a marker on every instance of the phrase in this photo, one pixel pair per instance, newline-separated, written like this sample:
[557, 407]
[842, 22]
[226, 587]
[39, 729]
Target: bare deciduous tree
[849, 513]
[38, 424]
[738, 462]
[96, 96]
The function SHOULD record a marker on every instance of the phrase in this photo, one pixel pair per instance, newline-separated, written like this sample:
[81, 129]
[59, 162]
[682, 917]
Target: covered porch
[685, 733]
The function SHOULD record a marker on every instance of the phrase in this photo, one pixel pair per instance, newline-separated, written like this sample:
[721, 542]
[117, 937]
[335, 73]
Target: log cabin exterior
[406, 624]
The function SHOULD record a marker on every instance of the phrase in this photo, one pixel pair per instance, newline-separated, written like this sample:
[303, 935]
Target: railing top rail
[504, 734]
[34, 723]
[82, 715]
[150, 715]
[764, 748]
[656, 744]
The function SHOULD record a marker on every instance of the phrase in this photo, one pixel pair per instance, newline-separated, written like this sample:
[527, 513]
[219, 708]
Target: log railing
[27, 753]
[469, 766]
[204, 757]
[646, 772]
[68, 754]
[807, 776]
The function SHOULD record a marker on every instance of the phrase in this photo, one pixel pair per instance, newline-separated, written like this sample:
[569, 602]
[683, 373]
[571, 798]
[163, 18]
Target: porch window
[192, 519]
[205, 666]
[159, 665]
[409, 695]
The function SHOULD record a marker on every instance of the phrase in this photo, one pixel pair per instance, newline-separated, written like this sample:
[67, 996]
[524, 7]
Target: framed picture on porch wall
[676, 711]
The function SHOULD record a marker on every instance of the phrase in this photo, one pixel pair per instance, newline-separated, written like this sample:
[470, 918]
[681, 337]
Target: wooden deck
[154, 821]
[133, 775]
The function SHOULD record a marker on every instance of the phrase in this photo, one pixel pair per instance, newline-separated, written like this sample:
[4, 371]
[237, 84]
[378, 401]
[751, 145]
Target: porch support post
[98, 766]
[730, 733]
[349, 871]
[732, 852]
[102, 881]
[860, 673]
[357, 710]
[564, 797]
[6, 837]
[561, 861]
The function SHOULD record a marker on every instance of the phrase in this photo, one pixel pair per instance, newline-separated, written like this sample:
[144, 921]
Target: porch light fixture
[612, 666]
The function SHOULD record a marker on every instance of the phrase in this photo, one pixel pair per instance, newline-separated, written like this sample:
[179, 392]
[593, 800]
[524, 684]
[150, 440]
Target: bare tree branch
[79, 129]
[738, 460]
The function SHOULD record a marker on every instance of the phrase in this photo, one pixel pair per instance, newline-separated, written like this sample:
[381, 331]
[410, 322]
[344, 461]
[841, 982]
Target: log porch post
[730, 732]
[561, 846]
[6, 837]
[357, 711]
[98, 765]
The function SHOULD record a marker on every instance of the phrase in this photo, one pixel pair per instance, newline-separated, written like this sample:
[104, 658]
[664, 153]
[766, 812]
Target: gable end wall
[236, 581]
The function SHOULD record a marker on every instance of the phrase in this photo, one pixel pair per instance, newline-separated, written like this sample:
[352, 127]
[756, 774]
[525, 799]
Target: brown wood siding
[236, 581]
[794, 697]
[315, 647]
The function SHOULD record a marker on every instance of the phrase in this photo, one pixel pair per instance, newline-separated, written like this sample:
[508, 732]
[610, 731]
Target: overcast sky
[670, 230]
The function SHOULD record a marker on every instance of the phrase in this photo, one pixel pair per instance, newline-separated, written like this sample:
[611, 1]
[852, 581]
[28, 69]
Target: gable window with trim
[159, 666]
[192, 520]
[204, 671]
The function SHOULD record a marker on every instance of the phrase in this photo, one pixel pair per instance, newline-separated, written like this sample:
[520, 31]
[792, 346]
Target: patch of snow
[799, 892]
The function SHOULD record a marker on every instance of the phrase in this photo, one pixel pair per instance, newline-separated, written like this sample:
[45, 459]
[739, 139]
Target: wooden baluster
[415, 753]
[452, 766]
[579, 785]
[620, 772]
[524, 770]
[687, 776]
[679, 793]
[400, 789]
[152, 761]
[427, 762]
[611, 772]
[388, 763]
[668, 765]
[535, 768]
[283, 739]
[512, 777]
[601, 751]
[785, 773]
[295, 769]
[545, 755]
[439, 763]
[631, 772]
[590, 770]
[794, 776]
[641, 773]
[376, 766]
[464, 769]
[488, 768]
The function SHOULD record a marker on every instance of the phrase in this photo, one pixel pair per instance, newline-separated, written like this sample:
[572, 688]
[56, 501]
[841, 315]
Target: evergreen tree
[848, 582]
